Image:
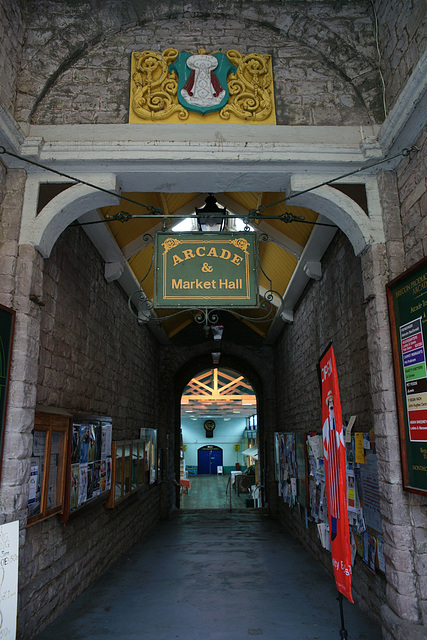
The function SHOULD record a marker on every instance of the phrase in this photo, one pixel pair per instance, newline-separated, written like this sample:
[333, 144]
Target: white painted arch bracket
[42, 230]
[361, 229]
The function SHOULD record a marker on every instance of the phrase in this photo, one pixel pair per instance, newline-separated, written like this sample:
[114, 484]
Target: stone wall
[402, 36]
[20, 271]
[58, 562]
[330, 309]
[412, 189]
[95, 359]
[324, 55]
[410, 550]
[11, 39]
[179, 364]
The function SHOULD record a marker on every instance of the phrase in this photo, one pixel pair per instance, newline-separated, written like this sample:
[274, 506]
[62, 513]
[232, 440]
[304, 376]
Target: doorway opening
[219, 458]
[210, 460]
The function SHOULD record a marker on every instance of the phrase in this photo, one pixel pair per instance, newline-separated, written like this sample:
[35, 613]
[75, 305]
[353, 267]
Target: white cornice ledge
[134, 143]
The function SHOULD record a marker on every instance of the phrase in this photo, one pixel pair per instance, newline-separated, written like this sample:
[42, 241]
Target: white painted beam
[104, 242]
[319, 241]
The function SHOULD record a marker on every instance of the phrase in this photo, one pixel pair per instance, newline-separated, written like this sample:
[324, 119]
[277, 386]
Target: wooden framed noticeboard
[407, 301]
[7, 322]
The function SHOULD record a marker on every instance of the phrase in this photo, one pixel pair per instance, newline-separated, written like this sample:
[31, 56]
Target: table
[185, 486]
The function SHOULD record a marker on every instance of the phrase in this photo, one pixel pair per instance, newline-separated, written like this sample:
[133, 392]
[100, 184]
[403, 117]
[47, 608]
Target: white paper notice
[9, 547]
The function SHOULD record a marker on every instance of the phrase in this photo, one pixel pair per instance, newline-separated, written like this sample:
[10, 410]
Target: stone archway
[180, 365]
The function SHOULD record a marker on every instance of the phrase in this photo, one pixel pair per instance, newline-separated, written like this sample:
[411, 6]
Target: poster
[407, 300]
[301, 455]
[359, 451]
[335, 473]
[91, 443]
[75, 444]
[9, 549]
[370, 492]
[82, 484]
[84, 444]
[74, 490]
[106, 437]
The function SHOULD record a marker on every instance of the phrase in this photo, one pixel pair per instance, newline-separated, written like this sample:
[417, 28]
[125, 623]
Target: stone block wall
[330, 309]
[324, 56]
[11, 41]
[20, 277]
[411, 183]
[412, 190]
[61, 560]
[93, 359]
[402, 36]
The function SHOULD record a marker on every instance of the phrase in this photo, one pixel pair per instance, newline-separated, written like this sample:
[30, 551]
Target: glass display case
[149, 437]
[89, 464]
[48, 466]
[128, 469]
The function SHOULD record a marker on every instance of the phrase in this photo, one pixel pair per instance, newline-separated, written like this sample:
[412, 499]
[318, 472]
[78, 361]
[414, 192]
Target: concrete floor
[212, 575]
[213, 492]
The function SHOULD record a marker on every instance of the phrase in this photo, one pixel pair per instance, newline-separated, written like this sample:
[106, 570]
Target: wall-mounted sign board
[407, 300]
[206, 270]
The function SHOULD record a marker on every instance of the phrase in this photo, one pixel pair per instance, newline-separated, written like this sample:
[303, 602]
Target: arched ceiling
[281, 249]
[218, 392]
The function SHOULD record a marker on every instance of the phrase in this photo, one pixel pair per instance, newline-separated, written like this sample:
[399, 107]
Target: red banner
[335, 474]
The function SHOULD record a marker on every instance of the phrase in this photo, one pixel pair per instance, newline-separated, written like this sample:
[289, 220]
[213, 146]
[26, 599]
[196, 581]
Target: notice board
[407, 300]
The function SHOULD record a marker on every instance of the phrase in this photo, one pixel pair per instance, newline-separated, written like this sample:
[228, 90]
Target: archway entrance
[218, 434]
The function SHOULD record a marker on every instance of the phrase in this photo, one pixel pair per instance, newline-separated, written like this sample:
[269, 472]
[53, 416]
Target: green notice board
[407, 300]
[7, 319]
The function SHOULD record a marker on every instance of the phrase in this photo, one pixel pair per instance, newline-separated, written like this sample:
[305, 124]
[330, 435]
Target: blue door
[209, 460]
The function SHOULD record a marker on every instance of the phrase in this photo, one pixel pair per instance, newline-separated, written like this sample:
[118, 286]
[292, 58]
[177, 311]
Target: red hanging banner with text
[335, 474]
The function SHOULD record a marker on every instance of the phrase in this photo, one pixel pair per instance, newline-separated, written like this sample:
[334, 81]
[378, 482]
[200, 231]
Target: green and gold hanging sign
[206, 270]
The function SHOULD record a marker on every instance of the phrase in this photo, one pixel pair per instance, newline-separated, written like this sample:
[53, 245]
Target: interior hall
[212, 319]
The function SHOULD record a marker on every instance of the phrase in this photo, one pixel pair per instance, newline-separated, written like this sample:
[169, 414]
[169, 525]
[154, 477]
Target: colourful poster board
[407, 299]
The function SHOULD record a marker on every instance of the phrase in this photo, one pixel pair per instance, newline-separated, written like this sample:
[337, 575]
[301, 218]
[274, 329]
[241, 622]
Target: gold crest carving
[154, 90]
[251, 87]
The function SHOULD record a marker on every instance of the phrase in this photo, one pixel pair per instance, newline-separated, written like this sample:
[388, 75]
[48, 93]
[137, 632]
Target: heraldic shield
[202, 80]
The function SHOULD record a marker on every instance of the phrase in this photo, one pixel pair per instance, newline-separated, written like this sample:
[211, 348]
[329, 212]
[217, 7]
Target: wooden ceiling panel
[277, 255]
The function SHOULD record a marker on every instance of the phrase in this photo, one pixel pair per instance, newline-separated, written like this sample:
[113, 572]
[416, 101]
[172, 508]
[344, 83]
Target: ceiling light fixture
[211, 217]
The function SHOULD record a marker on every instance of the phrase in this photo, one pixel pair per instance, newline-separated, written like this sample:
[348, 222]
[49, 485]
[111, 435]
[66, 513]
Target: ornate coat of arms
[198, 87]
[202, 80]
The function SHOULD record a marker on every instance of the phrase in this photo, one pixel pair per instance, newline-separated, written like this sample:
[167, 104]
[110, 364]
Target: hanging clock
[209, 427]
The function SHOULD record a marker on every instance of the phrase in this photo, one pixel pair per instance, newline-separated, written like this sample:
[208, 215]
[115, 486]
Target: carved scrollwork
[250, 87]
[240, 243]
[155, 88]
[170, 243]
